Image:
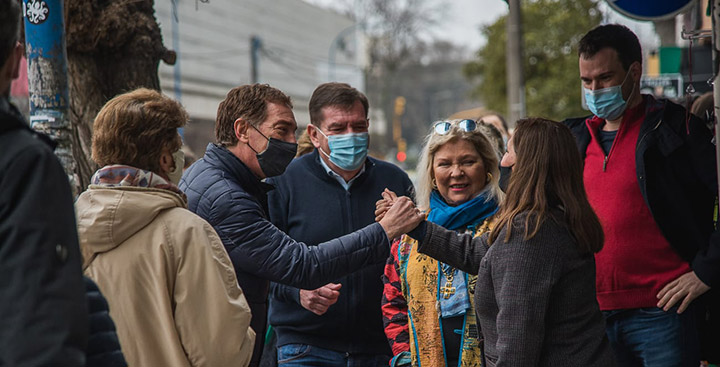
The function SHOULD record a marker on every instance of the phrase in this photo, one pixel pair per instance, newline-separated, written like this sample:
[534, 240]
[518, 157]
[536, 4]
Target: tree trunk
[113, 47]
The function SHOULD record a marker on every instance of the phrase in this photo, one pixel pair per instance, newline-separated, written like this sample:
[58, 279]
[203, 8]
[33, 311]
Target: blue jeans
[298, 355]
[651, 337]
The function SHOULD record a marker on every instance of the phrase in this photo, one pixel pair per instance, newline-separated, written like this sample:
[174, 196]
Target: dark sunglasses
[443, 127]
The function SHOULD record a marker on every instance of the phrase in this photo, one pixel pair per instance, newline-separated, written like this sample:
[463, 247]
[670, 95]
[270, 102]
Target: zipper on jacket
[612, 147]
[605, 163]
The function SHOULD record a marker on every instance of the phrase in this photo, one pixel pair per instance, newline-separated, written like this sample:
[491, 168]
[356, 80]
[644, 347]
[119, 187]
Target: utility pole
[47, 76]
[397, 128]
[332, 51]
[514, 63]
[255, 45]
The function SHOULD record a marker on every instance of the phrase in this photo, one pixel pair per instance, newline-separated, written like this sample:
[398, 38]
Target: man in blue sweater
[323, 195]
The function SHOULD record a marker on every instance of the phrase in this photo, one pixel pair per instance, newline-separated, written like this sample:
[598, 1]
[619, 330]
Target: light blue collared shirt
[345, 185]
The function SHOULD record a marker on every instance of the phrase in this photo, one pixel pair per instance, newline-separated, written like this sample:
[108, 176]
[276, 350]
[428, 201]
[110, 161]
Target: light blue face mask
[607, 103]
[347, 151]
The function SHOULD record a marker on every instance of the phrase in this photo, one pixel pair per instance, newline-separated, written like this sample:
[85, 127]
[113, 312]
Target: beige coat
[170, 285]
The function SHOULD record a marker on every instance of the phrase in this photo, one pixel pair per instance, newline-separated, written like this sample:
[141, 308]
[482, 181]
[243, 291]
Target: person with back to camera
[535, 293]
[458, 182]
[168, 281]
[43, 309]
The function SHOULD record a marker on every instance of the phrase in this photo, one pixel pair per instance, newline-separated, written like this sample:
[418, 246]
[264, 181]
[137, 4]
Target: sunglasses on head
[443, 127]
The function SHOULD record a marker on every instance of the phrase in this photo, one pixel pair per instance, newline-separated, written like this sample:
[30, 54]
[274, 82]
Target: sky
[463, 20]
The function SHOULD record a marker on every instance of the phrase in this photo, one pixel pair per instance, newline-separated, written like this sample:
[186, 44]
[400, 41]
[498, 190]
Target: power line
[287, 68]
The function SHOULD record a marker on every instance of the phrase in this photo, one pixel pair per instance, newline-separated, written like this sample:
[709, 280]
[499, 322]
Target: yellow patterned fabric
[419, 277]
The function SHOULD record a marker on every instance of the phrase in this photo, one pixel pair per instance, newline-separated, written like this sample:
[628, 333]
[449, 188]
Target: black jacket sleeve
[43, 312]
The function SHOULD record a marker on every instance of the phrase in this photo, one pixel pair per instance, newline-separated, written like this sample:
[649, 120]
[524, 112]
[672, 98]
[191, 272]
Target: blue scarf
[467, 214]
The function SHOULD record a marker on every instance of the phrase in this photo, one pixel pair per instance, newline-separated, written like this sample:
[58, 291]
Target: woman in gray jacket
[535, 293]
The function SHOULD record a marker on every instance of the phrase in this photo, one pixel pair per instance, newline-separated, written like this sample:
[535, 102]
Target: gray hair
[434, 141]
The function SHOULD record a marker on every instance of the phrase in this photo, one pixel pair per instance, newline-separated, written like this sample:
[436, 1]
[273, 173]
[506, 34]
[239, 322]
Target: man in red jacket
[650, 176]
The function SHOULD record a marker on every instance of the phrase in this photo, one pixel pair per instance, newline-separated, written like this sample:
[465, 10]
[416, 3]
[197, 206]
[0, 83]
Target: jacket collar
[221, 157]
[12, 119]
[654, 110]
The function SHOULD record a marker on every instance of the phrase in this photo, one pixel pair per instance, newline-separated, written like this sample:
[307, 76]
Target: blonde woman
[535, 291]
[427, 305]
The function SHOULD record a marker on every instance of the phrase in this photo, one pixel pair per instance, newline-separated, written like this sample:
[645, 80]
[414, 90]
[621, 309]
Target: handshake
[397, 215]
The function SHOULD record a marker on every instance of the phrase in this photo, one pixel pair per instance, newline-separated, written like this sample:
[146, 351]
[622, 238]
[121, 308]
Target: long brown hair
[548, 173]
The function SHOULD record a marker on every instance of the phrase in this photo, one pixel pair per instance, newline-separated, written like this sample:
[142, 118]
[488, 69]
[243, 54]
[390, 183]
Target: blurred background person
[704, 108]
[190, 156]
[305, 146]
[458, 182]
[494, 135]
[170, 285]
[535, 293]
[43, 310]
[497, 120]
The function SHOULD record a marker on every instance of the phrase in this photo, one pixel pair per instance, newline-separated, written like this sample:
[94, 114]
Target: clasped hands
[397, 215]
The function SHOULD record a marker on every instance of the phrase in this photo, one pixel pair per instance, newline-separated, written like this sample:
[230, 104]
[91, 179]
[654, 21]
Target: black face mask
[505, 173]
[276, 157]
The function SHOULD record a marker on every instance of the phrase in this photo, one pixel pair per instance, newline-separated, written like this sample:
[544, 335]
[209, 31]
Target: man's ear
[10, 70]
[166, 162]
[636, 70]
[240, 126]
[313, 134]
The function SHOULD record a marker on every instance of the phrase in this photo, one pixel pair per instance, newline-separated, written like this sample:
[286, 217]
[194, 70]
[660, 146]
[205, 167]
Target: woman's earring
[434, 184]
[489, 177]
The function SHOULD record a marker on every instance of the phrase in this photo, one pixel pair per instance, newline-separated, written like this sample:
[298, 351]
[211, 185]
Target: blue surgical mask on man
[607, 103]
[347, 151]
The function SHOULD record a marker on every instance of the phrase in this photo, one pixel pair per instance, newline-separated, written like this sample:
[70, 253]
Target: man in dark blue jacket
[255, 130]
[43, 311]
[322, 195]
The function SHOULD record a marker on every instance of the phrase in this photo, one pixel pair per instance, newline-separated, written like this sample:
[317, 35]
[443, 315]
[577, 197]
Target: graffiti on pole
[36, 11]
[47, 77]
